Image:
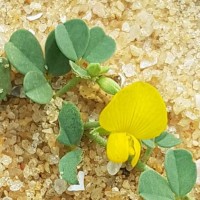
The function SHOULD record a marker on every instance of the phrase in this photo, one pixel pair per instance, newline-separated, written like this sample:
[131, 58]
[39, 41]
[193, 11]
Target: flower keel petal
[118, 147]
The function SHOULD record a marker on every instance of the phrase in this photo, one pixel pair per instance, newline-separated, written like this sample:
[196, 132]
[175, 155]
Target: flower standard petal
[118, 147]
[137, 109]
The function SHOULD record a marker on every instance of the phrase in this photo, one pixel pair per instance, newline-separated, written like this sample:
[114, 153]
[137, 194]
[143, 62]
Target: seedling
[134, 120]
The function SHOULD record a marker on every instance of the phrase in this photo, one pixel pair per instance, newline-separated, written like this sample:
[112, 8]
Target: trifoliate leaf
[152, 186]
[149, 143]
[68, 164]
[37, 88]
[24, 52]
[100, 48]
[5, 81]
[167, 140]
[181, 171]
[71, 125]
[56, 62]
[72, 38]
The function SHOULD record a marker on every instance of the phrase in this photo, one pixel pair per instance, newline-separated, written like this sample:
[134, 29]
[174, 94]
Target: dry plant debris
[157, 42]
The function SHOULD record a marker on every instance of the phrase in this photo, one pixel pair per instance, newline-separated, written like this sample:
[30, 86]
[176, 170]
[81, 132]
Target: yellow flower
[136, 112]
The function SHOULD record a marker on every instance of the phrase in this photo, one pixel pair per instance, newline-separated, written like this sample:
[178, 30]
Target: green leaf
[68, 164]
[100, 47]
[71, 125]
[5, 81]
[24, 52]
[72, 38]
[167, 140]
[181, 171]
[152, 186]
[79, 71]
[56, 62]
[149, 143]
[37, 88]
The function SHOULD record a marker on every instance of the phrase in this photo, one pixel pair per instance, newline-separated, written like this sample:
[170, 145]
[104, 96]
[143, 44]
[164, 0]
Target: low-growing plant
[135, 120]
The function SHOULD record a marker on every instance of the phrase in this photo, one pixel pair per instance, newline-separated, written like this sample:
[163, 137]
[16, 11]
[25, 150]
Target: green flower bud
[108, 85]
[94, 69]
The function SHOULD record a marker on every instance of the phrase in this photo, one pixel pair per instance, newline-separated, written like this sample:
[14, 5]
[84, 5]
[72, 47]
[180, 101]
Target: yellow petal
[137, 109]
[137, 148]
[118, 147]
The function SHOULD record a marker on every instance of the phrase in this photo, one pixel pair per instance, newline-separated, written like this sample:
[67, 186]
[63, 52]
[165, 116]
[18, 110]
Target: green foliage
[100, 47]
[167, 140]
[71, 125]
[57, 63]
[24, 52]
[149, 143]
[152, 186]
[181, 171]
[72, 38]
[76, 41]
[79, 71]
[37, 88]
[108, 85]
[68, 165]
[5, 81]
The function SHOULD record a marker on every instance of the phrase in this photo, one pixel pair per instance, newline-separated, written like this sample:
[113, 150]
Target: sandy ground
[158, 41]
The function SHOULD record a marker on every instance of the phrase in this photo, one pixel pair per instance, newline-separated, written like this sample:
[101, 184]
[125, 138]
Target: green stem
[147, 154]
[94, 135]
[70, 84]
[142, 166]
[89, 125]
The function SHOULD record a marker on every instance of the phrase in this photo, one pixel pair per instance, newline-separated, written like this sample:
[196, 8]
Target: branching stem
[89, 125]
[142, 166]
[147, 154]
[93, 135]
[69, 85]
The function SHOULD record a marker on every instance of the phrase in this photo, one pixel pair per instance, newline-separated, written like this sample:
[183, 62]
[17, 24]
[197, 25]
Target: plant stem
[142, 166]
[94, 135]
[147, 154]
[70, 84]
[89, 125]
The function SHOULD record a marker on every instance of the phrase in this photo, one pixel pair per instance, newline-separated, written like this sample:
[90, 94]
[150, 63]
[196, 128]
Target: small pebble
[5, 160]
[148, 62]
[115, 189]
[34, 17]
[15, 185]
[60, 186]
[126, 27]
[198, 172]
[129, 70]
